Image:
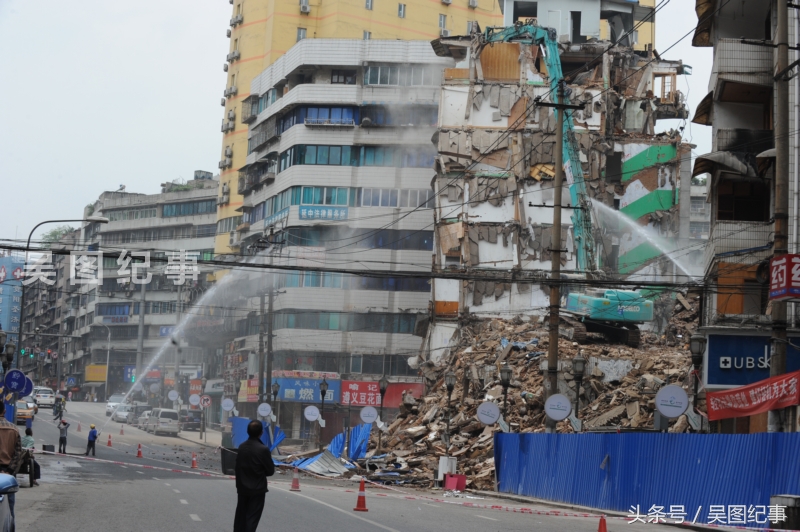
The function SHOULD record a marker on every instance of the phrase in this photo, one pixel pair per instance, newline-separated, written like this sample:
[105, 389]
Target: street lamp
[578, 368]
[275, 389]
[449, 383]
[96, 219]
[323, 389]
[697, 346]
[505, 382]
[383, 385]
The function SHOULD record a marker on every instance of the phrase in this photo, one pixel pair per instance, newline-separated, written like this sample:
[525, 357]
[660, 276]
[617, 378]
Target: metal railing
[739, 243]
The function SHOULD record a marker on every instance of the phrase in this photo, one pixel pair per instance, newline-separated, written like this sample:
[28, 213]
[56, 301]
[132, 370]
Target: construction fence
[703, 473]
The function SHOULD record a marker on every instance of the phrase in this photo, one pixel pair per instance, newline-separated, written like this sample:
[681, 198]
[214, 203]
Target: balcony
[739, 140]
[742, 72]
[329, 123]
[746, 243]
[249, 110]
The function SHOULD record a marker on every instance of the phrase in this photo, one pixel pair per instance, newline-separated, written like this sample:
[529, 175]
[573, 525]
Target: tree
[54, 235]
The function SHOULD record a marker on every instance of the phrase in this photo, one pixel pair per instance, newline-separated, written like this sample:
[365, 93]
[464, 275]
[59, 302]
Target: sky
[97, 94]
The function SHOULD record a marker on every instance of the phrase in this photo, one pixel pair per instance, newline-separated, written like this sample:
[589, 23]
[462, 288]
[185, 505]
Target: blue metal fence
[620, 471]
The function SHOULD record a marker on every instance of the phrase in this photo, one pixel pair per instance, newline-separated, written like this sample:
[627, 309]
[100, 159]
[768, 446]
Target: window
[367, 34]
[189, 208]
[405, 76]
[226, 225]
[442, 22]
[301, 34]
[699, 229]
[698, 205]
[401, 10]
[325, 196]
[347, 77]
[368, 5]
[469, 26]
[236, 44]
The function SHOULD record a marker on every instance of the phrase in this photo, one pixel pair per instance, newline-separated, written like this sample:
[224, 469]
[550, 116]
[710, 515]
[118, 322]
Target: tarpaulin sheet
[336, 446]
[618, 471]
[239, 433]
[324, 464]
[359, 440]
[278, 435]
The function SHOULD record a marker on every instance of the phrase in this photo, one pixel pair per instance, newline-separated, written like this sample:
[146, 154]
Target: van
[163, 420]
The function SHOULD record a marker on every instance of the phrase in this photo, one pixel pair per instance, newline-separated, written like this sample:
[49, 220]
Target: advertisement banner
[303, 386]
[763, 396]
[367, 393]
[248, 393]
[740, 359]
[784, 278]
[95, 373]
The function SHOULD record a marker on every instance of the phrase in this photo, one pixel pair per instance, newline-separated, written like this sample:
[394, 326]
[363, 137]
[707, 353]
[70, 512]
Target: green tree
[54, 235]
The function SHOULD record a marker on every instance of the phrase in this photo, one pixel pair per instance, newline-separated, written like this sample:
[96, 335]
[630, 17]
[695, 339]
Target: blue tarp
[618, 471]
[359, 440]
[336, 446]
[239, 433]
[520, 345]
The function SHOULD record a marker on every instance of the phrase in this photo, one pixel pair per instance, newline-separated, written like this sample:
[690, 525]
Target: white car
[45, 397]
[120, 415]
[141, 422]
[112, 403]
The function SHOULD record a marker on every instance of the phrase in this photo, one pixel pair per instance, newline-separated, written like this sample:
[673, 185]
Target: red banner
[368, 393]
[762, 396]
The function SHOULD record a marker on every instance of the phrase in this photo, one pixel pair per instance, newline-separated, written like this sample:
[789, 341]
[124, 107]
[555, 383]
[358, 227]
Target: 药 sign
[784, 278]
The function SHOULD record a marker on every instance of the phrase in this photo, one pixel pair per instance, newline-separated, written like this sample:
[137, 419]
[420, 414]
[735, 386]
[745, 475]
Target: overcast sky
[95, 94]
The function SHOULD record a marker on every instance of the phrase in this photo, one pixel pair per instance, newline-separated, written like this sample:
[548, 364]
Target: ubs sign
[733, 360]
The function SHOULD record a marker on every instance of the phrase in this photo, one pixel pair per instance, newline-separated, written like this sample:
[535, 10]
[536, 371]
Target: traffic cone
[361, 504]
[194, 461]
[602, 527]
[109, 441]
[295, 481]
[79, 426]
[139, 452]
[122, 431]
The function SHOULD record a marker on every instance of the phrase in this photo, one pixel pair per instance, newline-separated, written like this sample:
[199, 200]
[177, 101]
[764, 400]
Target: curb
[555, 504]
[198, 442]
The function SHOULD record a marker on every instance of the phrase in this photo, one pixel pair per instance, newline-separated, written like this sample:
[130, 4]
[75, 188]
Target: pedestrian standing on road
[69, 397]
[92, 440]
[10, 450]
[62, 437]
[253, 465]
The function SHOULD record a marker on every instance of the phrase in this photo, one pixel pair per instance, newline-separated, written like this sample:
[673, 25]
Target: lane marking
[484, 517]
[167, 484]
[154, 478]
[176, 491]
[184, 501]
[195, 517]
[140, 472]
[373, 523]
[429, 504]
[124, 467]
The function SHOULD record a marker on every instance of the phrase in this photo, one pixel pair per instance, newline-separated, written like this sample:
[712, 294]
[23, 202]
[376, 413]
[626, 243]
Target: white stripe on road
[429, 504]
[195, 517]
[184, 501]
[176, 491]
[154, 478]
[484, 517]
[140, 472]
[167, 484]
[124, 467]
[373, 523]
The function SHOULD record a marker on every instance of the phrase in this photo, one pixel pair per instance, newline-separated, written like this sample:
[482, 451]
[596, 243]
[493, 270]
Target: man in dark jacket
[253, 465]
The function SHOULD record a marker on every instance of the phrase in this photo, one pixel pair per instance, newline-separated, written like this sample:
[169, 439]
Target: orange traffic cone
[194, 461]
[361, 504]
[139, 452]
[122, 431]
[602, 527]
[109, 441]
[79, 426]
[295, 481]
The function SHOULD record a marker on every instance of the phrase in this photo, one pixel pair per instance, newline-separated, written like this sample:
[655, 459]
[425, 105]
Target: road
[79, 494]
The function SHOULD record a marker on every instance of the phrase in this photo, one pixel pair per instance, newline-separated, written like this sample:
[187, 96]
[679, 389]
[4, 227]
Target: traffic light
[133, 377]
[49, 352]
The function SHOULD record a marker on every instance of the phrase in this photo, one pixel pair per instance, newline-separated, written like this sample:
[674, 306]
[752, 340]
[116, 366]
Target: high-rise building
[261, 31]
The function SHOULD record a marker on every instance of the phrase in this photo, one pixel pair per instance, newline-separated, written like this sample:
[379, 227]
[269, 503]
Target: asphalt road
[78, 494]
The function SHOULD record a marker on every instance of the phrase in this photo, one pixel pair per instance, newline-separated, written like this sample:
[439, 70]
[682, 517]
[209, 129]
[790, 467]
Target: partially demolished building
[495, 169]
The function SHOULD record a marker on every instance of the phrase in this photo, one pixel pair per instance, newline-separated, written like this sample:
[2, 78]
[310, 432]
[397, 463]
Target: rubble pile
[617, 393]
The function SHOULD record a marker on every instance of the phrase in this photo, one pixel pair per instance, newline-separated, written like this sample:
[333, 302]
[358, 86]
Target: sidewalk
[584, 509]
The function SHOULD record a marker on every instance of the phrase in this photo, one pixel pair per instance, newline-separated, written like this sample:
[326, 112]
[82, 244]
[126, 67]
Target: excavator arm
[532, 34]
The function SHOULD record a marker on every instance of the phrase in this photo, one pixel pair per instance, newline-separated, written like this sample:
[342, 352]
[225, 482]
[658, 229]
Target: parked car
[190, 418]
[45, 397]
[31, 403]
[141, 421]
[8, 484]
[120, 414]
[136, 411]
[112, 403]
[24, 412]
[163, 420]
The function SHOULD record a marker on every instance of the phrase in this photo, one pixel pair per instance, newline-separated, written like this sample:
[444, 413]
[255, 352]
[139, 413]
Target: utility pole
[140, 336]
[268, 385]
[265, 329]
[262, 322]
[781, 246]
[178, 310]
[551, 384]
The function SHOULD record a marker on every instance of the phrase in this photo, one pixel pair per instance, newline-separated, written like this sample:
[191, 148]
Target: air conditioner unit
[222, 102]
[448, 2]
[228, 33]
[228, 151]
[444, 32]
[228, 163]
[232, 238]
[305, 9]
[473, 3]
[231, 115]
[225, 67]
[225, 188]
